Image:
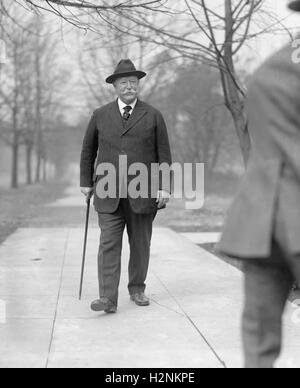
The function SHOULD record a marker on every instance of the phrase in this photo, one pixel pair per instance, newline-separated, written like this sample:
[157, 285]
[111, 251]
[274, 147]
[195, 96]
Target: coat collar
[122, 105]
[116, 116]
[138, 113]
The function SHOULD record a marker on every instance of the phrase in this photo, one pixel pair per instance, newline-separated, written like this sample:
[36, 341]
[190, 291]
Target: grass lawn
[16, 206]
[219, 194]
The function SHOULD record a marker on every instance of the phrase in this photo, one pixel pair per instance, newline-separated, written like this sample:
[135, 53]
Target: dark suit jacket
[270, 192]
[144, 139]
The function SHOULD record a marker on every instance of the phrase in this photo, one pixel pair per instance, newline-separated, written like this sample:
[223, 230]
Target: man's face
[127, 89]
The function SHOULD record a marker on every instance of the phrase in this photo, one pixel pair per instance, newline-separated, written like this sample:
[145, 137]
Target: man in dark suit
[264, 223]
[121, 134]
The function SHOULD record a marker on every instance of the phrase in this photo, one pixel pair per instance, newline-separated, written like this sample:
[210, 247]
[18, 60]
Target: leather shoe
[105, 305]
[140, 299]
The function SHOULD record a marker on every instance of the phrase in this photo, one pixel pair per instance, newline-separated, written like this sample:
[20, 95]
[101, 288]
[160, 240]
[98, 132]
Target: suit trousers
[139, 230]
[268, 284]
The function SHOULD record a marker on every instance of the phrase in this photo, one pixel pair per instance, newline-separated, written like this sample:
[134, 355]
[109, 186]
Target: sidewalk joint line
[58, 298]
[223, 363]
[167, 308]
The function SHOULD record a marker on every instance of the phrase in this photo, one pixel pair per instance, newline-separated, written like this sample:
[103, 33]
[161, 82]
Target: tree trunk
[241, 127]
[15, 135]
[29, 164]
[235, 104]
[15, 163]
[234, 98]
[44, 170]
[15, 149]
[38, 127]
[38, 167]
[215, 157]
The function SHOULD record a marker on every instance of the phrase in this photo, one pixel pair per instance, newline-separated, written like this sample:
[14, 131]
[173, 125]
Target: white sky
[266, 45]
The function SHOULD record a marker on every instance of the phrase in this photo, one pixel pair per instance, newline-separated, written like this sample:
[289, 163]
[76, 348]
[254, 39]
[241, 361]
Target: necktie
[127, 111]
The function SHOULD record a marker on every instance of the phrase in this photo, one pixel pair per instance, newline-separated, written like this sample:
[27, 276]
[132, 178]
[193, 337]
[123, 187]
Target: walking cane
[85, 243]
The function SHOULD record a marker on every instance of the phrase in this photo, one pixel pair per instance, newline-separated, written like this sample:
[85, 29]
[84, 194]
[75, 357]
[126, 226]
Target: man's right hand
[88, 192]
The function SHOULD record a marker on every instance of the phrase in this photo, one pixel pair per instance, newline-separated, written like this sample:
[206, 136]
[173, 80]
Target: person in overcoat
[263, 225]
[120, 135]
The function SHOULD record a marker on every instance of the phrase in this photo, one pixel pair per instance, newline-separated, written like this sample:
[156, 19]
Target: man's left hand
[163, 197]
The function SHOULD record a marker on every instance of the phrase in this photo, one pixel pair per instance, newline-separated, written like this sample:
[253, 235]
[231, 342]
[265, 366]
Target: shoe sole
[98, 308]
[146, 304]
[113, 311]
[101, 307]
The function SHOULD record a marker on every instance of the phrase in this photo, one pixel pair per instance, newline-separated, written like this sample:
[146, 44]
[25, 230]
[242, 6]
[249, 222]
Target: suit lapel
[116, 116]
[137, 114]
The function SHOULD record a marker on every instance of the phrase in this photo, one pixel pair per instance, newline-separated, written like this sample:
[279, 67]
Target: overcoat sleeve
[89, 154]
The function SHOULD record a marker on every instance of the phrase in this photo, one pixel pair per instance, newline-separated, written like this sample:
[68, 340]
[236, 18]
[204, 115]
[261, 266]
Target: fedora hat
[125, 68]
[295, 5]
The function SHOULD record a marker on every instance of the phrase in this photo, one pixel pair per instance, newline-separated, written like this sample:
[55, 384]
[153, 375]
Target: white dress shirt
[122, 105]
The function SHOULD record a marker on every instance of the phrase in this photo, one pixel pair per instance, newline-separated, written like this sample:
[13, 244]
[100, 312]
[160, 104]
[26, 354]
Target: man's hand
[88, 192]
[163, 197]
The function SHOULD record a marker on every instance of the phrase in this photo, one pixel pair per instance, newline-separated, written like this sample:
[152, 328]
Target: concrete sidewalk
[193, 321]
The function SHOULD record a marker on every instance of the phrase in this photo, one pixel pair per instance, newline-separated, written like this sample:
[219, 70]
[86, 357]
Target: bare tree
[27, 107]
[14, 82]
[212, 36]
[192, 28]
[29, 92]
[83, 14]
[38, 97]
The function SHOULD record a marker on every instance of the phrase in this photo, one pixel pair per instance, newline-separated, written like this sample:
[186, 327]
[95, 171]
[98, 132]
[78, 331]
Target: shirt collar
[122, 105]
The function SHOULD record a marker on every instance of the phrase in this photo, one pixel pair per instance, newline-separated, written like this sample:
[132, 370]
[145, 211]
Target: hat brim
[114, 77]
[295, 6]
